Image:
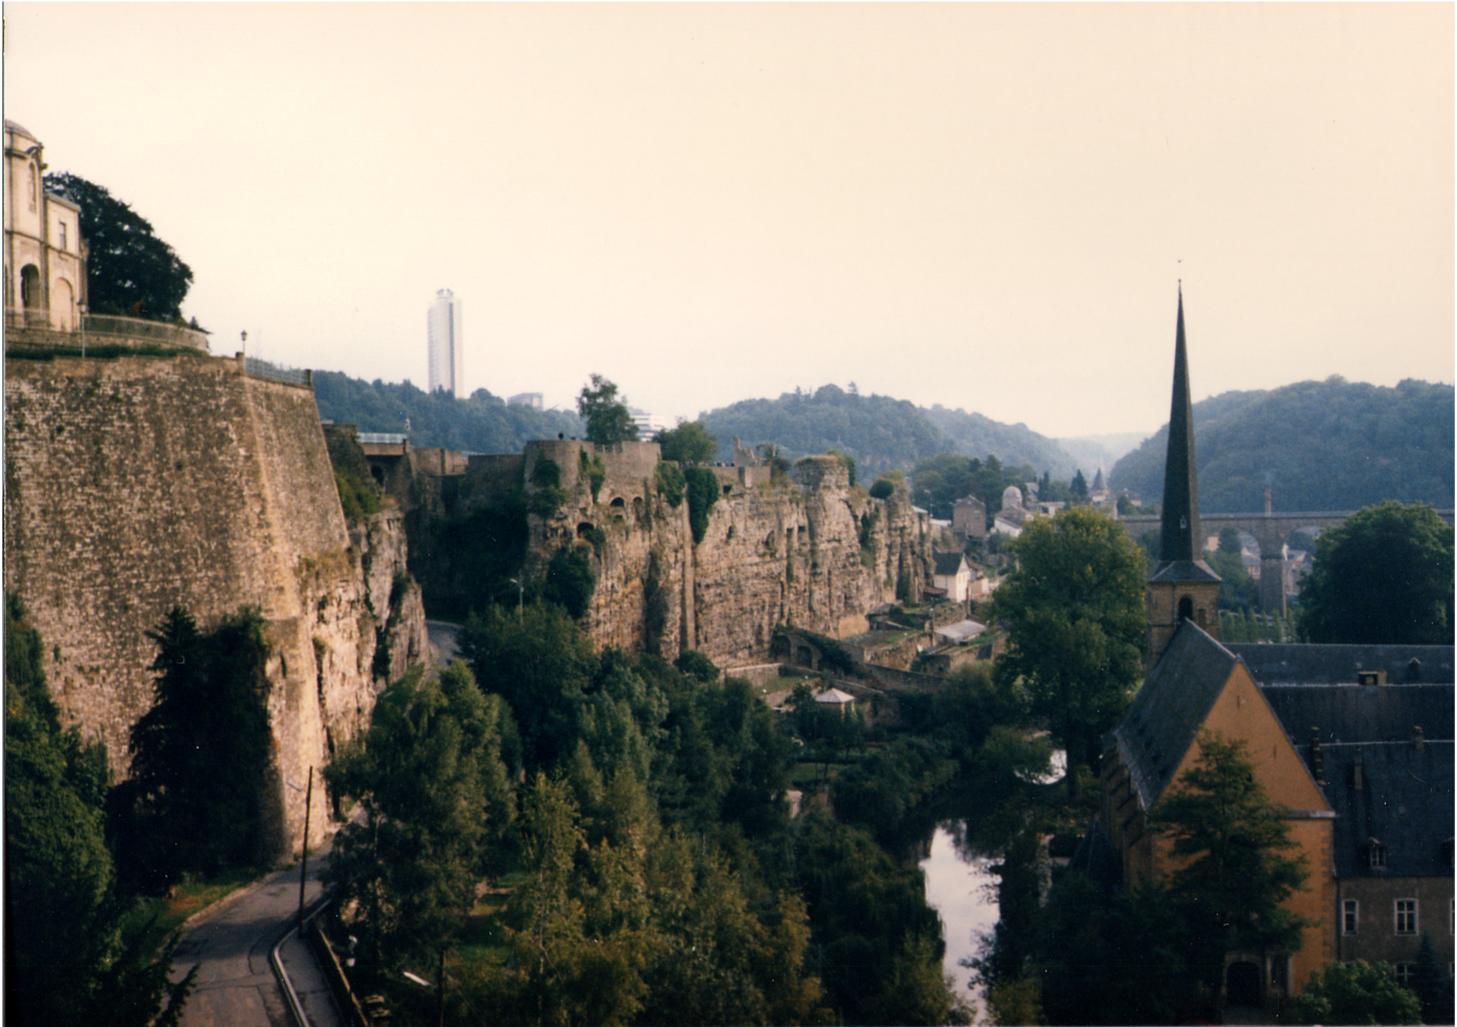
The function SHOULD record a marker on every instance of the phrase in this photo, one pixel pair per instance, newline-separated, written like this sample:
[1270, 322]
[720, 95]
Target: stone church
[1355, 742]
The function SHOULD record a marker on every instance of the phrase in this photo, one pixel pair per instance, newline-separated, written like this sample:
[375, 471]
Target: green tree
[1358, 992]
[689, 443]
[702, 488]
[128, 269]
[606, 416]
[1385, 576]
[1432, 984]
[1229, 842]
[1079, 488]
[204, 793]
[67, 957]
[426, 775]
[1073, 610]
[570, 580]
[541, 665]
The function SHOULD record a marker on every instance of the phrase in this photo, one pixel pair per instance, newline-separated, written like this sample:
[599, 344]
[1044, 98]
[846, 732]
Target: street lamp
[303, 872]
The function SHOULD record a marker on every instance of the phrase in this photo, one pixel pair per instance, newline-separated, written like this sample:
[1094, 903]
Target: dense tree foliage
[938, 483]
[1230, 845]
[68, 956]
[877, 431]
[1331, 445]
[1073, 609]
[204, 792]
[480, 423]
[1358, 992]
[1237, 589]
[570, 580]
[689, 443]
[433, 792]
[701, 487]
[1385, 575]
[604, 413]
[128, 269]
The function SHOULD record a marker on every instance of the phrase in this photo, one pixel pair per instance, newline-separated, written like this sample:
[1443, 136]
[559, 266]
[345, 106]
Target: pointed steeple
[1180, 540]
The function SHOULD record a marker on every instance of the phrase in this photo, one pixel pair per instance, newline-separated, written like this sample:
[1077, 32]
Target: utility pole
[303, 872]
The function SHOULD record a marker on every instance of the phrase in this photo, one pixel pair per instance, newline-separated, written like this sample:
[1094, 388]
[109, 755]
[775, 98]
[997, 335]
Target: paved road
[444, 639]
[236, 986]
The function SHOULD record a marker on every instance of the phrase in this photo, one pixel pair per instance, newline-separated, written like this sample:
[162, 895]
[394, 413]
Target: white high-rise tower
[445, 343]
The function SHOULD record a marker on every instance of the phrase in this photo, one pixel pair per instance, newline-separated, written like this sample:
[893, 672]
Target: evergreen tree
[67, 957]
[204, 792]
[1229, 844]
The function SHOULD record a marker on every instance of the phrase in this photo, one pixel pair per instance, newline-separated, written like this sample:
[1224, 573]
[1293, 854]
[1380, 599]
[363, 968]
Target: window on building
[1349, 910]
[1406, 916]
[63, 235]
[1405, 974]
[1376, 855]
[30, 169]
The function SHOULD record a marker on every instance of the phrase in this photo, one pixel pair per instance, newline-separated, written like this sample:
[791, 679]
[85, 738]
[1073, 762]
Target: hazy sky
[979, 206]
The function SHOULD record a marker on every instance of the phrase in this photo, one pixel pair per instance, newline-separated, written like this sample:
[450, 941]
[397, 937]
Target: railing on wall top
[111, 328]
[257, 368]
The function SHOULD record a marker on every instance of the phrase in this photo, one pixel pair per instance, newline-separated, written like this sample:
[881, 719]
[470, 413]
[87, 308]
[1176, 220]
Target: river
[963, 890]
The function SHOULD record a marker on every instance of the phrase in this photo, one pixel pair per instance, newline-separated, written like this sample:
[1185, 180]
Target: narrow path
[231, 945]
[444, 640]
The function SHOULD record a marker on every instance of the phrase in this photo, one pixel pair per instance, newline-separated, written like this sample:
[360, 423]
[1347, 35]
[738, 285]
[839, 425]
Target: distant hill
[881, 433]
[1095, 451]
[1331, 445]
[480, 423]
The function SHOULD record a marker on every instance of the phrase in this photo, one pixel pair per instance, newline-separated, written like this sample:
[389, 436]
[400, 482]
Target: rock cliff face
[809, 551]
[137, 483]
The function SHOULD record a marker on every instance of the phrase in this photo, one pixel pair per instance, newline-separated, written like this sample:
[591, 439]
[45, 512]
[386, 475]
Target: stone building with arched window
[45, 257]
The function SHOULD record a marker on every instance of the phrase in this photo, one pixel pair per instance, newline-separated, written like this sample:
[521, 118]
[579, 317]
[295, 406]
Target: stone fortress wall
[810, 551]
[137, 483]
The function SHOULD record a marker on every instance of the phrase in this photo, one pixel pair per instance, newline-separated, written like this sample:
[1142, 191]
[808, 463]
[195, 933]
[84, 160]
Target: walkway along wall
[137, 483]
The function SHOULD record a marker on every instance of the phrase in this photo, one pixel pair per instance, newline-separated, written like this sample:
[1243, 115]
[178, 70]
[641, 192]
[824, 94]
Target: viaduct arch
[1270, 531]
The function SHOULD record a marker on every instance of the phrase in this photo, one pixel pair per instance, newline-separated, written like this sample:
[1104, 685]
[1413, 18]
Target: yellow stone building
[45, 257]
[1354, 742]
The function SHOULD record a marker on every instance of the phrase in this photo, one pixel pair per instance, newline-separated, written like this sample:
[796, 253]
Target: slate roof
[948, 564]
[1405, 803]
[1184, 570]
[1338, 664]
[1165, 715]
[1361, 713]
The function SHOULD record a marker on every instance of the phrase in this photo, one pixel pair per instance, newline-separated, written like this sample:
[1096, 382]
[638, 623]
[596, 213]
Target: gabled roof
[1184, 570]
[834, 696]
[1165, 715]
[1338, 664]
[949, 563]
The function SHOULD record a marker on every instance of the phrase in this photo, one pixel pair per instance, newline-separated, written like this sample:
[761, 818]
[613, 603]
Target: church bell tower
[1182, 587]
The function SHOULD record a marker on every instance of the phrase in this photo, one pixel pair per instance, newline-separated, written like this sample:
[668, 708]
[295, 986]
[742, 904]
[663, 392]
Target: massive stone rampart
[137, 483]
[808, 550]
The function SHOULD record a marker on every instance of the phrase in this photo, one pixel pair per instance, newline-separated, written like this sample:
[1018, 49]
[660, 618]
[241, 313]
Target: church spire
[1180, 539]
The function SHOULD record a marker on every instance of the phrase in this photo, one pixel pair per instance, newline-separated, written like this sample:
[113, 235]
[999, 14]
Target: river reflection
[961, 887]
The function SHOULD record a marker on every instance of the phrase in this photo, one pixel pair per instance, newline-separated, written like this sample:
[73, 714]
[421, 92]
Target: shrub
[545, 502]
[570, 581]
[702, 485]
[883, 488]
[592, 468]
[358, 497]
[671, 484]
[696, 666]
[1358, 992]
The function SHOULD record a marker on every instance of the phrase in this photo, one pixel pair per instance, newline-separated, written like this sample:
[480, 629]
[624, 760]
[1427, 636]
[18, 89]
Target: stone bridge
[1271, 530]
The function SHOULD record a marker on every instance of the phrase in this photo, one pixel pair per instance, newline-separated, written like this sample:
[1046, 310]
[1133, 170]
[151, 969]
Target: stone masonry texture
[137, 483]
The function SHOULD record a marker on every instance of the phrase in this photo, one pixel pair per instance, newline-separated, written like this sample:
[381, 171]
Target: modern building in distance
[648, 425]
[526, 399]
[45, 258]
[445, 344]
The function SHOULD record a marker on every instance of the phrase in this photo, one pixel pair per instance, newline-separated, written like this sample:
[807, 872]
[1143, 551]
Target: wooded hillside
[1331, 445]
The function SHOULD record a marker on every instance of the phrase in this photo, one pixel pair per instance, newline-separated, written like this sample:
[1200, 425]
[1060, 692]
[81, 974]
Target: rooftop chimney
[1418, 738]
[1317, 758]
[1414, 670]
[1358, 772]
